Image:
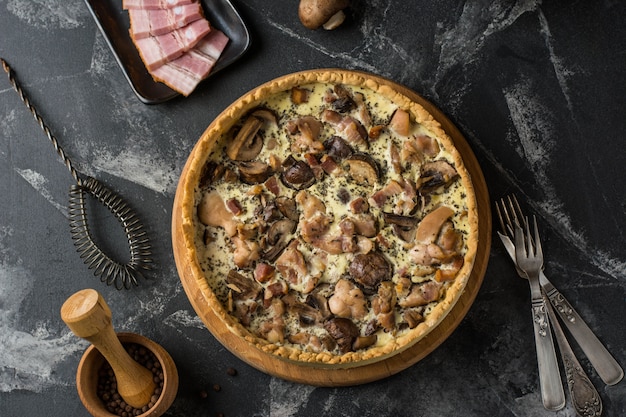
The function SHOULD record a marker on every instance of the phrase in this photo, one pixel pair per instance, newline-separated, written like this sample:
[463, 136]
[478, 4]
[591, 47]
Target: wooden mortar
[89, 317]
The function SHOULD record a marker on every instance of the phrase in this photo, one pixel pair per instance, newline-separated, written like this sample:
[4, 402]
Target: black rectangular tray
[114, 23]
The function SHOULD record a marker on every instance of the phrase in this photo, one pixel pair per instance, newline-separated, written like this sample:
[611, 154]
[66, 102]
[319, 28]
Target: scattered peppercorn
[217, 388]
[107, 384]
[231, 371]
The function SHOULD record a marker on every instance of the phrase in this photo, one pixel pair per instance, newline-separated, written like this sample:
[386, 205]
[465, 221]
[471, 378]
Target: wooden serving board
[352, 374]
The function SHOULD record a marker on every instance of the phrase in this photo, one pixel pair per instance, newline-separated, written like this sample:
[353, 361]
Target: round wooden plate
[354, 374]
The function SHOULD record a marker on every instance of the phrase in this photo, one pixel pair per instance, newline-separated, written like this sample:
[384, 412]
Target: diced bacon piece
[185, 73]
[291, 264]
[158, 50]
[347, 127]
[380, 197]
[263, 272]
[153, 4]
[155, 22]
[400, 122]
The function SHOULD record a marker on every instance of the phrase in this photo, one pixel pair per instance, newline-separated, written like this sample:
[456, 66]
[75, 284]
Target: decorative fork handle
[584, 395]
[605, 365]
[550, 383]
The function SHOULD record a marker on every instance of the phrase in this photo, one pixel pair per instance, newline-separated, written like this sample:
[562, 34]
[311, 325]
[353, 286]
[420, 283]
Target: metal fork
[529, 259]
[603, 362]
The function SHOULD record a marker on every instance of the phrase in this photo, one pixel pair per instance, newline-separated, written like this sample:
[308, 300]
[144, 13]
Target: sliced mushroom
[310, 127]
[247, 144]
[265, 114]
[434, 175]
[318, 300]
[254, 172]
[363, 168]
[402, 221]
[362, 342]
[403, 226]
[211, 172]
[298, 175]
[307, 314]
[243, 286]
[338, 148]
[344, 331]
[412, 317]
[278, 237]
[344, 102]
[287, 206]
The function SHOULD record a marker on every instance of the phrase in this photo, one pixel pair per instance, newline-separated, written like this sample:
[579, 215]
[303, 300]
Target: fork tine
[502, 226]
[509, 221]
[528, 240]
[520, 245]
[517, 210]
[538, 250]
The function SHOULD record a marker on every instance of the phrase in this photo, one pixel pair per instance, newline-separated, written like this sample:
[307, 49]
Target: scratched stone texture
[537, 88]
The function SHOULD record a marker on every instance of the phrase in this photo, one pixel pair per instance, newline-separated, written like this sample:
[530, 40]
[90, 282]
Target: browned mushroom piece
[307, 315]
[265, 114]
[278, 237]
[338, 148]
[344, 102]
[326, 13]
[370, 269]
[403, 226]
[317, 299]
[434, 175]
[362, 342]
[244, 287]
[412, 317]
[343, 331]
[246, 144]
[297, 174]
[363, 168]
[288, 208]
[211, 172]
[254, 172]
[268, 211]
[310, 127]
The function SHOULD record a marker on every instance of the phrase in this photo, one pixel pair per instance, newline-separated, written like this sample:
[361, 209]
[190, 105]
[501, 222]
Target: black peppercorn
[107, 384]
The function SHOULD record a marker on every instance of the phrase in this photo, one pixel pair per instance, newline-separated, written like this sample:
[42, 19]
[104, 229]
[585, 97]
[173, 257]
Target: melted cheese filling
[216, 254]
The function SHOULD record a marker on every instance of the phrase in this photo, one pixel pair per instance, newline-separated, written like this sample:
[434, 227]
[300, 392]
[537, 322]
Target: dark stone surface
[538, 89]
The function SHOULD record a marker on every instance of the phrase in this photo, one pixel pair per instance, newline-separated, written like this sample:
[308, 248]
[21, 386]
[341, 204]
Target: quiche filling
[330, 221]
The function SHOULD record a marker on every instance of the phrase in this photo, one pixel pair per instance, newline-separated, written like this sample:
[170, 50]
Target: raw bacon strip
[153, 4]
[146, 22]
[158, 50]
[185, 73]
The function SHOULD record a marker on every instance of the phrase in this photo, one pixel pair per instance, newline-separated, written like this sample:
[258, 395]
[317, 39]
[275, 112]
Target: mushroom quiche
[332, 219]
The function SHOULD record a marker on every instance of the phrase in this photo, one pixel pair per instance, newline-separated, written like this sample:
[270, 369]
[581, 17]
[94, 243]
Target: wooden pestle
[89, 317]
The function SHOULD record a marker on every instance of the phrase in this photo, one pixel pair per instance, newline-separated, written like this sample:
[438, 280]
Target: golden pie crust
[229, 120]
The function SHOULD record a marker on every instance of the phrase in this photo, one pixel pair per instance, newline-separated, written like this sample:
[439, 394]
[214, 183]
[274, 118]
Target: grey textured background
[538, 89]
